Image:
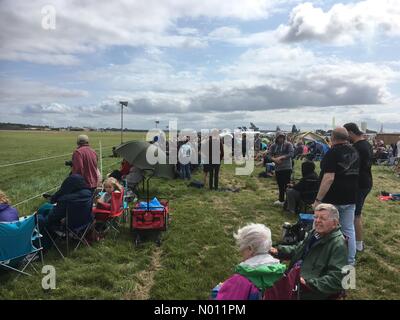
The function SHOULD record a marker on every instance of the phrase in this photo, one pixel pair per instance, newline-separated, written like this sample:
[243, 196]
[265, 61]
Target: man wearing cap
[339, 184]
[364, 179]
[84, 162]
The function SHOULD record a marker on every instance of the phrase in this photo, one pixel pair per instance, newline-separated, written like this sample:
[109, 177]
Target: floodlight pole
[123, 103]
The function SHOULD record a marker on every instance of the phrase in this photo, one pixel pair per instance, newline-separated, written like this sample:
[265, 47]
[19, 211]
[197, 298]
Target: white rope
[37, 196]
[112, 164]
[35, 160]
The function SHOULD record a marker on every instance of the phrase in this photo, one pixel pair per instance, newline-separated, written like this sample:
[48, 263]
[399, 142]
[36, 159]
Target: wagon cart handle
[148, 187]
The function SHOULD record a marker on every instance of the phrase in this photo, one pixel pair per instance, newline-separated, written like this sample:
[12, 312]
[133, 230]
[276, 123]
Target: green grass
[198, 249]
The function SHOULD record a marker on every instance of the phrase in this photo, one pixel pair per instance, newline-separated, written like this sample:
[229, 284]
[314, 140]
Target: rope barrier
[39, 195]
[47, 158]
[112, 164]
[35, 160]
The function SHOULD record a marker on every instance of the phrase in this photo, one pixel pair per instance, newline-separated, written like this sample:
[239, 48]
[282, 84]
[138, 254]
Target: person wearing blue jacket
[74, 194]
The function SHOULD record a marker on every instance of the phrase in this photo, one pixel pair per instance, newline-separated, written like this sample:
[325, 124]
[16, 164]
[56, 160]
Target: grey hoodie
[285, 149]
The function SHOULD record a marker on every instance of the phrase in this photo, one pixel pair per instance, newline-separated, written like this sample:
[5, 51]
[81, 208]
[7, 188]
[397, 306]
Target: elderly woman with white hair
[258, 270]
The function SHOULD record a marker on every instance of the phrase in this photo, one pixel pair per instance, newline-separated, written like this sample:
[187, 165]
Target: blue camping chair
[16, 244]
[78, 222]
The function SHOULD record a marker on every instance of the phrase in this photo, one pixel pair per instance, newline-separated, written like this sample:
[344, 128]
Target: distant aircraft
[253, 127]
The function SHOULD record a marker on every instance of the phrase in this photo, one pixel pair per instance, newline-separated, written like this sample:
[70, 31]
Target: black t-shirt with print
[364, 149]
[343, 160]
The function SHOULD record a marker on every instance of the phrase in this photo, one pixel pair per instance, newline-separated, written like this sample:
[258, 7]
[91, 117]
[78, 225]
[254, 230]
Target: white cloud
[278, 77]
[17, 92]
[187, 31]
[271, 83]
[224, 33]
[83, 27]
[343, 24]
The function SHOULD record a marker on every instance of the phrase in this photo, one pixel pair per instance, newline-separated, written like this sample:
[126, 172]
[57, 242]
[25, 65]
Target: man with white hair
[321, 255]
[84, 162]
[258, 270]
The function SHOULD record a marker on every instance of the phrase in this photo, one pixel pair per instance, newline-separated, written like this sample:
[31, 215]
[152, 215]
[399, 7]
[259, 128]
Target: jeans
[346, 218]
[185, 171]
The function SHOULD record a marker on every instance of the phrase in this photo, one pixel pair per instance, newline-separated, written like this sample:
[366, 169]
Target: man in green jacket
[322, 255]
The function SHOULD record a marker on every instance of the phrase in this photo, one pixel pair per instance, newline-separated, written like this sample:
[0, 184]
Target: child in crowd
[110, 185]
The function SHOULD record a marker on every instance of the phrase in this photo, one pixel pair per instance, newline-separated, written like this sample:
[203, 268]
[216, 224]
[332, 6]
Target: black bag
[196, 184]
[294, 233]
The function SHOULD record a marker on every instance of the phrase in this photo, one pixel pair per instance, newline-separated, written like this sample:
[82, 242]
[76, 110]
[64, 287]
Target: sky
[206, 64]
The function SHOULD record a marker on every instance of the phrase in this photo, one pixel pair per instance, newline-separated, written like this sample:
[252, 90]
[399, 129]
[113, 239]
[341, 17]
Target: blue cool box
[307, 217]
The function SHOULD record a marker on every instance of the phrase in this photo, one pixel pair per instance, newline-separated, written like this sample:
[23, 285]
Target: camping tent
[309, 136]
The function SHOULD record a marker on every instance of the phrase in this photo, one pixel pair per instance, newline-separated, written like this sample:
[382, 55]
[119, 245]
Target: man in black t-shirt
[365, 153]
[339, 184]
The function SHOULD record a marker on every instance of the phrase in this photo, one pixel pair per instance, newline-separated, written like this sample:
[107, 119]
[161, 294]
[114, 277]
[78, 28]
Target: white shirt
[185, 152]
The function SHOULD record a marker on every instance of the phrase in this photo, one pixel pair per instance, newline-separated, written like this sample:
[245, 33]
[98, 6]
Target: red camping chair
[109, 219]
[286, 288]
[289, 287]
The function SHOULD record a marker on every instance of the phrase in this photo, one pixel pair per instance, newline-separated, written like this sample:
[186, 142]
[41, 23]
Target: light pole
[123, 104]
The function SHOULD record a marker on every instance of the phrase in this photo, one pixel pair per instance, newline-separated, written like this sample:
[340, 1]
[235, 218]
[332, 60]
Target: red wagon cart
[149, 216]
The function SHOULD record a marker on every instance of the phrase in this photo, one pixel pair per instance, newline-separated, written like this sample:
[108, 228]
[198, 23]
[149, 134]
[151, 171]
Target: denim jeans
[346, 217]
[185, 171]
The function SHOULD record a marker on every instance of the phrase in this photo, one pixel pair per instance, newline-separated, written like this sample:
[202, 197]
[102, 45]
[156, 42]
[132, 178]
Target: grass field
[198, 249]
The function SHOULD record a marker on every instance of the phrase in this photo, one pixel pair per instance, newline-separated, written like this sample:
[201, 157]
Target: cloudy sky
[209, 63]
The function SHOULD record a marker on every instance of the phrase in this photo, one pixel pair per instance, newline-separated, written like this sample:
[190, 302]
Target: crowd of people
[336, 197]
[387, 154]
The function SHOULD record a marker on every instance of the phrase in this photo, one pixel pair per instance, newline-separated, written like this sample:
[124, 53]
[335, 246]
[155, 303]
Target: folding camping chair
[78, 222]
[109, 218]
[17, 247]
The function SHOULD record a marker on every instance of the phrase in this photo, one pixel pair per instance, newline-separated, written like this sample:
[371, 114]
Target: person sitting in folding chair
[109, 205]
[75, 198]
[305, 190]
[7, 213]
[321, 256]
[258, 271]
[110, 185]
[20, 244]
